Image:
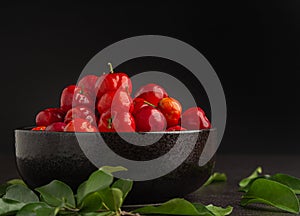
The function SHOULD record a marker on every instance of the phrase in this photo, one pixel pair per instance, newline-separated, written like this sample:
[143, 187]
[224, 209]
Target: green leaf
[21, 194]
[3, 187]
[8, 207]
[16, 181]
[112, 169]
[97, 181]
[244, 182]
[125, 185]
[91, 202]
[290, 181]
[216, 177]
[271, 193]
[174, 207]
[36, 209]
[112, 198]
[219, 211]
[57, 194]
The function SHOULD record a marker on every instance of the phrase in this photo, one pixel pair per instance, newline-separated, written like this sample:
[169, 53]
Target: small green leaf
[290, 181]
[216, 177]
[112, 198]
[112, 169]
[57, 194]
[125, 185]
[91, 202]
[16, 181]
[219, 211]
[97, 181]
[173, 207]
[271, 193]
[244, 182]
[36, 209]
[21, 194]
[8, 207]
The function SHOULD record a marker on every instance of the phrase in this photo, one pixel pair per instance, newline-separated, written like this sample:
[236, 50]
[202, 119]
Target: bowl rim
[26, 129]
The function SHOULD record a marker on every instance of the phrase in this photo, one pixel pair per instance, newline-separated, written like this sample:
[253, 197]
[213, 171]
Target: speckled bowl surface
[44, 156]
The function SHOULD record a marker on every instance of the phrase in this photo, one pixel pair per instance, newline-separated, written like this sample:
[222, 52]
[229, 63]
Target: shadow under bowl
[43, 156]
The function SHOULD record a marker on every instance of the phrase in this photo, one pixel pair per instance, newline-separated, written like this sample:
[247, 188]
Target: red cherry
[49, 116]
[56, 126]
[81, 112]
[150, 119]
[115, 101]
[88, 84]
[152, 93]
[171, 108]
[116, 122]
[66, 98]
[176, 128]
[139, 103]
[112, 82]
[79, 125]
[39, 128]
[195, 119]
[82, 98]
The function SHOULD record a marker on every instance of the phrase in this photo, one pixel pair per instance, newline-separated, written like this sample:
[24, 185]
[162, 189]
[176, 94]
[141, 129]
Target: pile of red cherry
[104, 104]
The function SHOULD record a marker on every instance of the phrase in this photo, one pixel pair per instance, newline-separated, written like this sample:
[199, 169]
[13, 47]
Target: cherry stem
[110, 67]
[150, 104]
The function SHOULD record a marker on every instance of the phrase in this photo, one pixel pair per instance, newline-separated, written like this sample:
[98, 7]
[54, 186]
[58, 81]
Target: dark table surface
[222, 194]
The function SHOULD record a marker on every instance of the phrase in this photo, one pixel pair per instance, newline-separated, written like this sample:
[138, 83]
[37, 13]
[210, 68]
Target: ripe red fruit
[150, 119]
[81, 112]
[56, 126]
[82, 98]
[115, 101]
[152, 93]
[79, 125]
[176, 128]
[139, 103]
[116, 122]
[112, 82]
[67, 97]
[49, 116]
[88, 84]
[171, 108]
[39, 128]
[73, 96]
[195, 119]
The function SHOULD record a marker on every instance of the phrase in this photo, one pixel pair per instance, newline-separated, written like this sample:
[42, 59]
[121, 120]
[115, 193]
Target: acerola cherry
[49, 116]
[139, 103]
[56, 126]
[81, 112]
[39, 128]
[195, 119]
[171, 108]
[152, 93]
[79, 125]
[116, 122]
[176, 128]
[82, 98]
[116, 101]
[112, 82]
[88, 84]
[150, 119]
[66, 98]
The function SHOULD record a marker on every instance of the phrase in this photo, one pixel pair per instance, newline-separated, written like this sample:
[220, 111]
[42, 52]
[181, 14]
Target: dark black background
[254, 46]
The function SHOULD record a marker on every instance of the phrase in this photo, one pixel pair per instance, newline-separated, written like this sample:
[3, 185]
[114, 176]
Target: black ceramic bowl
[43, 156]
